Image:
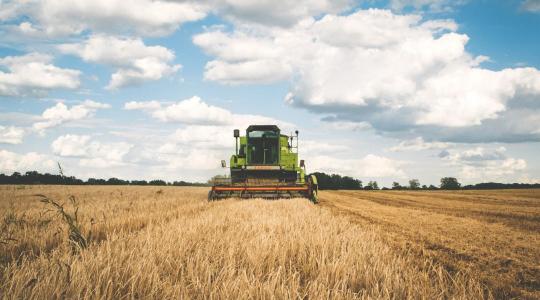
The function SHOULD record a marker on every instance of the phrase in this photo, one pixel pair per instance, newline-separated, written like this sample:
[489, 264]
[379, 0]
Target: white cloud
[33, 74]
[494, 170]
[313, 147]
[243, 59]
[92, 154]
[419, 144]
[393, 71]
[199, 137]
[531, 5]
[347, 125]
[481, 164]
[369, 166]
[14, 162]
[68, 17]
[194, 111]
[71, 145]
[135, 62]
[11, 135]
[188, 111]
[60, 114]
[55, 18]
[276, 12]
[145, 106]
[188, 158]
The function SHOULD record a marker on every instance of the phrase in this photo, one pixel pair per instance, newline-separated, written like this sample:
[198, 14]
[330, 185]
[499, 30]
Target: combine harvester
[265, 165]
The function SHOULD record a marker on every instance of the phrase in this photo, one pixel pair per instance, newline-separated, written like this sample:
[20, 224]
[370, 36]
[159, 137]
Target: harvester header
[265, 165]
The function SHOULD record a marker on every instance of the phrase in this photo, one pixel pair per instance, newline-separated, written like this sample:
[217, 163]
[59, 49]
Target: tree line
[325, 181]
[34, 177]
[338, 182]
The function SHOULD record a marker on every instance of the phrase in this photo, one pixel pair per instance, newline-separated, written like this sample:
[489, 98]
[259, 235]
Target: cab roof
[263, 128]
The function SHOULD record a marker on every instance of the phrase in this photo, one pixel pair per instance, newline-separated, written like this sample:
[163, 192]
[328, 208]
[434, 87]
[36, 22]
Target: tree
[396, 186]
[424, 187]
[335, 181]
[157, 182]
[372, 185]
[414, 184]
[450, 183]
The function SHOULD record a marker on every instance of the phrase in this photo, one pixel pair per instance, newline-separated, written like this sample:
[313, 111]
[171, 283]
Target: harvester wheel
[211, 196]
[314, 189]
[314, 198]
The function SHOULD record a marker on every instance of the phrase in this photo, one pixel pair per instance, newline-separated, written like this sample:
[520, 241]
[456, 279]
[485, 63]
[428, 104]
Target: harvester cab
[265, 165]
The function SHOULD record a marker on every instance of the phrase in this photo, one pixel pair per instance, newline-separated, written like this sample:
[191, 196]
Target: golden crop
[168, 242]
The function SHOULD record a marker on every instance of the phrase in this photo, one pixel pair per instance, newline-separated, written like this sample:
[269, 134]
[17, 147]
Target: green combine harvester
[265, 165]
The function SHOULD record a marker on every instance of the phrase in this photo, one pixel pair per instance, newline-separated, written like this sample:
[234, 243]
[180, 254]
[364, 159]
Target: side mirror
[236, 133]
[223, 163]
[302, 163]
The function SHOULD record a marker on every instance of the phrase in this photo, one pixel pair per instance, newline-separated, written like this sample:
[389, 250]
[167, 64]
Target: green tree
[450, 183]
[372, 185]
[414, 184]
[396, 186]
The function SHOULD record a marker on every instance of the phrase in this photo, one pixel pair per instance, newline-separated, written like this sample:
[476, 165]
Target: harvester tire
[313, 189]
[314, 197]
[211, 196]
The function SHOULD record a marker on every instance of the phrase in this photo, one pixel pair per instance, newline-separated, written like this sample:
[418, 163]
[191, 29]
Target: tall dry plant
[75, 237]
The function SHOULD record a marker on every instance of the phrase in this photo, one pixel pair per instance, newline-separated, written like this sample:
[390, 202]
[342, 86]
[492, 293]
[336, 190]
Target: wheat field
[169, 242]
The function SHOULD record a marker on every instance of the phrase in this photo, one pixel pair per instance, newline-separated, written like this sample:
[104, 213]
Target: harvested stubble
[173, 244]
[493, 235]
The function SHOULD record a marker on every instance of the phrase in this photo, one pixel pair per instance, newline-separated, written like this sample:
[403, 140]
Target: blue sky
[380, 90]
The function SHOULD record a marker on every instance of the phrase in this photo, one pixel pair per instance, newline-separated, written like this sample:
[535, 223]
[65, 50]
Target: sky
[379, 90]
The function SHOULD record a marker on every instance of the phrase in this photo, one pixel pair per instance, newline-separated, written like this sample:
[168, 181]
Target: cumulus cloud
[394, 72]
[94, 154]
[418, 144]
[60, 113]
[242, 58]
[134, 61]
[11, 135]
[188, 111]
[369, 166]
[56, 18]
[34, 74]
[481, 164]
[281, 13]
[68, 17]
[31, 161]
[194, 111]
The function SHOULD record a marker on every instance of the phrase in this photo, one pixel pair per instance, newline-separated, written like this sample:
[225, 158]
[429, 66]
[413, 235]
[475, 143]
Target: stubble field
[168, 242]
